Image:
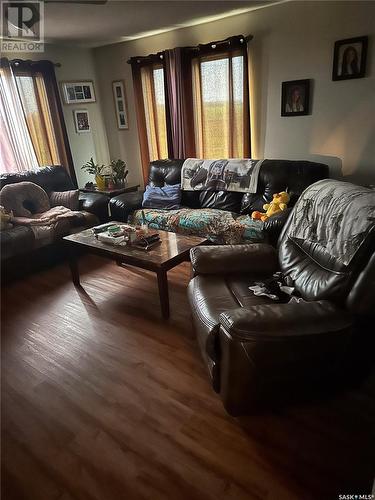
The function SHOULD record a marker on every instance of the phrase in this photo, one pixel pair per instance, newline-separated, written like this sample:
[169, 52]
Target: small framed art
[81, 120]
[349, 58]
[295, 98]
[120, 104]
[78, 92]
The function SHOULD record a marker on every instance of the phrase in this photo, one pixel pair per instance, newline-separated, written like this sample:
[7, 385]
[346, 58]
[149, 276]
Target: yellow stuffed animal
[278, 204]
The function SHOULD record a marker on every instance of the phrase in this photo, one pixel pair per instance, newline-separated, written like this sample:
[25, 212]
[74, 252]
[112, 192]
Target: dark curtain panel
[49, 103]
[179, 103]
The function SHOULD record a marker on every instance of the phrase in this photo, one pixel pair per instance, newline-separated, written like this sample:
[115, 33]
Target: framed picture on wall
[81, 120]
[295, 98]
[120, 104]
[78, 92]
[349, 58]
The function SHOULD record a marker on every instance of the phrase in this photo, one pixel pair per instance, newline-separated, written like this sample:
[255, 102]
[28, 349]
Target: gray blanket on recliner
[320, 215]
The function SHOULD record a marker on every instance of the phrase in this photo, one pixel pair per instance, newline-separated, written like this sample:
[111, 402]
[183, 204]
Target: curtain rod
[17, 62]
[201, 47]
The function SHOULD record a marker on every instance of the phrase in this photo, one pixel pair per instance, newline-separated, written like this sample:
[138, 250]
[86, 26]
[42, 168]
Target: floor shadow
[334, 437]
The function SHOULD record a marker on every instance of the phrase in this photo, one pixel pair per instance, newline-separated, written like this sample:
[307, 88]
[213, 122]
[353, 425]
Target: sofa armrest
[274, 225]
[123, 205]
[95, 203]
[274, 322]
[259, 257]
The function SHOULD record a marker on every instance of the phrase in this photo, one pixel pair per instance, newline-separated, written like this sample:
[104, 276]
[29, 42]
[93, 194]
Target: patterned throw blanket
[239, 175]
[335, 216]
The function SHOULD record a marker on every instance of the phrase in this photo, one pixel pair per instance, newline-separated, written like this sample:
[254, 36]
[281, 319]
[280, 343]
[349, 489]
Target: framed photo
[295, 98]
[349, 58]
[78, 92]
[81, 120]
[120, 104]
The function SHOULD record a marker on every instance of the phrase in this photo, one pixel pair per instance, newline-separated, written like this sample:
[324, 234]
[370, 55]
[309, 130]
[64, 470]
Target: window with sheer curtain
[28, 100]
[193, 101]
[155, 115]
[219, 106]
[33, 132]
[32, 92]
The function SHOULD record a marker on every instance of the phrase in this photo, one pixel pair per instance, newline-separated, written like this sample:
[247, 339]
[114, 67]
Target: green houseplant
[95, 169]
[119, 172]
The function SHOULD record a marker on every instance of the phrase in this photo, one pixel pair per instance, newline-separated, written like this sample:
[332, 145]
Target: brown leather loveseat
[260, 352]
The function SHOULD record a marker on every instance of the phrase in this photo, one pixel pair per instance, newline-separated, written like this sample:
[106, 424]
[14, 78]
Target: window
[34, 101]
[193, 101]
[33, 132]
[219, 110]
[154, 106]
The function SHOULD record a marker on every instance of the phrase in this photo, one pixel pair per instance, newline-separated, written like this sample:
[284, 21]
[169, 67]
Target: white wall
[78, 64]
[291, 41]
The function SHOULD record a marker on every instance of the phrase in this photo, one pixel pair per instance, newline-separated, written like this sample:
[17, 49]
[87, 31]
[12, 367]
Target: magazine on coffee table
[125, 234]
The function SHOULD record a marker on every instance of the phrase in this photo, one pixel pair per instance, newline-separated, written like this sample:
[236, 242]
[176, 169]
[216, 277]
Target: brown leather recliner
[262, 353]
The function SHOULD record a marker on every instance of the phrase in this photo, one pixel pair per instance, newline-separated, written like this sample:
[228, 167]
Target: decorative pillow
[24, 199]
[167, 197]
[67, 199]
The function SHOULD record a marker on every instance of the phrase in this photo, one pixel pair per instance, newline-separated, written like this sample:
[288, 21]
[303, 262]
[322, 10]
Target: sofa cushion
[218, 226]
[24, 239]
[166, 197]
[221, 200]
[51, 178]
[292, 176]
[24, 199]
[68, 199]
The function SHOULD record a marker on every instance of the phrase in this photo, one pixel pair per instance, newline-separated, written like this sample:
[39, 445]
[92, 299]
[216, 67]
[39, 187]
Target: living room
[187, 194]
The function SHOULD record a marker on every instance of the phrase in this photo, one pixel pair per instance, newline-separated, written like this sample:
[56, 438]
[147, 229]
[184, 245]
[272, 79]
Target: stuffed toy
[5, 218]
[278, 204]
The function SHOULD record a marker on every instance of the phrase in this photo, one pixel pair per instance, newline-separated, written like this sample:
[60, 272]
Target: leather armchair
[260, 353]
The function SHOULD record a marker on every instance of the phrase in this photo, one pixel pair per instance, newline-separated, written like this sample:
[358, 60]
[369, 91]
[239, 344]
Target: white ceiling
[92, 25]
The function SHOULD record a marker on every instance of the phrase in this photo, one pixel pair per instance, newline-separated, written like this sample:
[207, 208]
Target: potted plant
[95, 169]
[119, 172]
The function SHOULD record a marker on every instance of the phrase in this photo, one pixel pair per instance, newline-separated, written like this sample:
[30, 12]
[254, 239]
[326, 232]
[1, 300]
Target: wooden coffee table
[171, 251]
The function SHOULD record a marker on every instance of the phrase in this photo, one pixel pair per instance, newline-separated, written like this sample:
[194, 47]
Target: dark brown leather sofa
[56, 178]
[262, 353]
[275, 176]
[19, 250]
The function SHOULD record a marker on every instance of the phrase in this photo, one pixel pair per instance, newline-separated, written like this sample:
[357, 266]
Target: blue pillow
[167, 197]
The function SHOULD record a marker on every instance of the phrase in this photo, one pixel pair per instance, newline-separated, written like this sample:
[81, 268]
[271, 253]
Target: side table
[97, 201]
[112, 192]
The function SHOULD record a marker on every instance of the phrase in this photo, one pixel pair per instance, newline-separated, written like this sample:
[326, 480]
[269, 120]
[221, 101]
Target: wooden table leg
[163, 293]
[73, 264]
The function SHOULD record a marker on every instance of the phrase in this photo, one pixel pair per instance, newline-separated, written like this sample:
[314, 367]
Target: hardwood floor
[102, 399]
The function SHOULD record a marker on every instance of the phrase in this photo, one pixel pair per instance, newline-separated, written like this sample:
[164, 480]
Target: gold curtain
[154, 107]
[34, 100]
[221, 109]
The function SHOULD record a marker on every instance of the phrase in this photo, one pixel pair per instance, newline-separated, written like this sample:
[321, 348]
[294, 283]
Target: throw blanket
[239, 175]
[47, 218]
[334, 215]
[49, 224]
